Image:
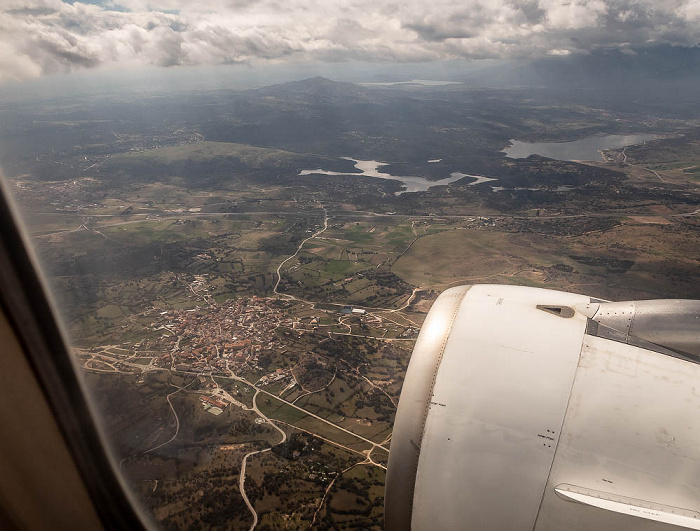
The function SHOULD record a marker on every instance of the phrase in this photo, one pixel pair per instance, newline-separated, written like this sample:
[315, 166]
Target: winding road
[279, 267]
[241, 478]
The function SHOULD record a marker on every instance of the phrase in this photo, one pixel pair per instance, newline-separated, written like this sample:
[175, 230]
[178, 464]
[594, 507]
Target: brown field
[665, 256]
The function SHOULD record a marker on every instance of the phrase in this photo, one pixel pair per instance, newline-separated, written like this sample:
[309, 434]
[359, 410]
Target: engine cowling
[526, 408]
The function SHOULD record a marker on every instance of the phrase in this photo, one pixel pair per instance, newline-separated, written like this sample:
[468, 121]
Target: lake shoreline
[370, 168]
[584, 149]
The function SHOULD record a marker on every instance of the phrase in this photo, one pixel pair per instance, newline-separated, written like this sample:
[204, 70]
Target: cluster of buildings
[219, 338]
[63, 195]
[348, 310]
[212, 405]
[275, 376]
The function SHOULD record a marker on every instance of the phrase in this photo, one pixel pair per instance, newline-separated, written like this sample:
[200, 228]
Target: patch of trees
[612, 265]
[298, 442]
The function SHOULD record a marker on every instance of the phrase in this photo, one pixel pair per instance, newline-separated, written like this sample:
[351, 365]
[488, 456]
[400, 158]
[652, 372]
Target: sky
[40, 38]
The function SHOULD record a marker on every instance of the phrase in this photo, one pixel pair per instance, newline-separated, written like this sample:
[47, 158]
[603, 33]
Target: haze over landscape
[245, 211]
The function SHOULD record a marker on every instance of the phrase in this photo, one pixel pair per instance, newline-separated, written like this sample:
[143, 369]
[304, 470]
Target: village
[224, 339]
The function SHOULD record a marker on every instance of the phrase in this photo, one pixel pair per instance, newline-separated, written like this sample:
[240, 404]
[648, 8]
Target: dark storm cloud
[40, 37]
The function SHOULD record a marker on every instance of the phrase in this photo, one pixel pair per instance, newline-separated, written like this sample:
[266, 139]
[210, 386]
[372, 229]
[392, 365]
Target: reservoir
[583, 149]
[370, 168]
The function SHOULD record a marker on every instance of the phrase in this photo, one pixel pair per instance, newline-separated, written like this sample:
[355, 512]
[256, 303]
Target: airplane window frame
[25, 300]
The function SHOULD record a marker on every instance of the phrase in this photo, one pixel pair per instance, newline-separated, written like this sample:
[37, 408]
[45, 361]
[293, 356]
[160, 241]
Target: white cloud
[575, 14]
[17, 66]
[39, 37]
[690, 10]
[559, 52]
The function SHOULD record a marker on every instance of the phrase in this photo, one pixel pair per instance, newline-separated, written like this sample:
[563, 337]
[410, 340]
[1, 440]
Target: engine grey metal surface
[669, 323]
[630, 438]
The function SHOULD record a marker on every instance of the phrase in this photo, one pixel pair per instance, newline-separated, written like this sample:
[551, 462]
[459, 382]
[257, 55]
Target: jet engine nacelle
[530, 409]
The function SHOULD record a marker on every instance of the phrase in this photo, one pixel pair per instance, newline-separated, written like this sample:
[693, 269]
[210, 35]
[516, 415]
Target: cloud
[559, 52]
[573, 15]
[41, 37]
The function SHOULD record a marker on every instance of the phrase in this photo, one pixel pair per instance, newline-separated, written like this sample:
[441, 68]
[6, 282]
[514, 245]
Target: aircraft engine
[531, 409]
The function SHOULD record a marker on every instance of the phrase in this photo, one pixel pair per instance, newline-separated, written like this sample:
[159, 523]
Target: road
[371, 383]
[234, 376]
[365, 454]
[177, 425]
[279, 267]
[241, 486]
[657, 174]
[389, 339]
[328, 489]
[307, 412]
[624, 161]
[241, 481]
[408, 302]
[351, 214]
[241, 477]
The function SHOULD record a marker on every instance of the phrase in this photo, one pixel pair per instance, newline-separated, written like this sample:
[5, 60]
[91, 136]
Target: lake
[370, 168]
[583, 149]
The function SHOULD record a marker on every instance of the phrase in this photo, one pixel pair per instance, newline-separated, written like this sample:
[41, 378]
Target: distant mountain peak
[316, 86]
[319, 79]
